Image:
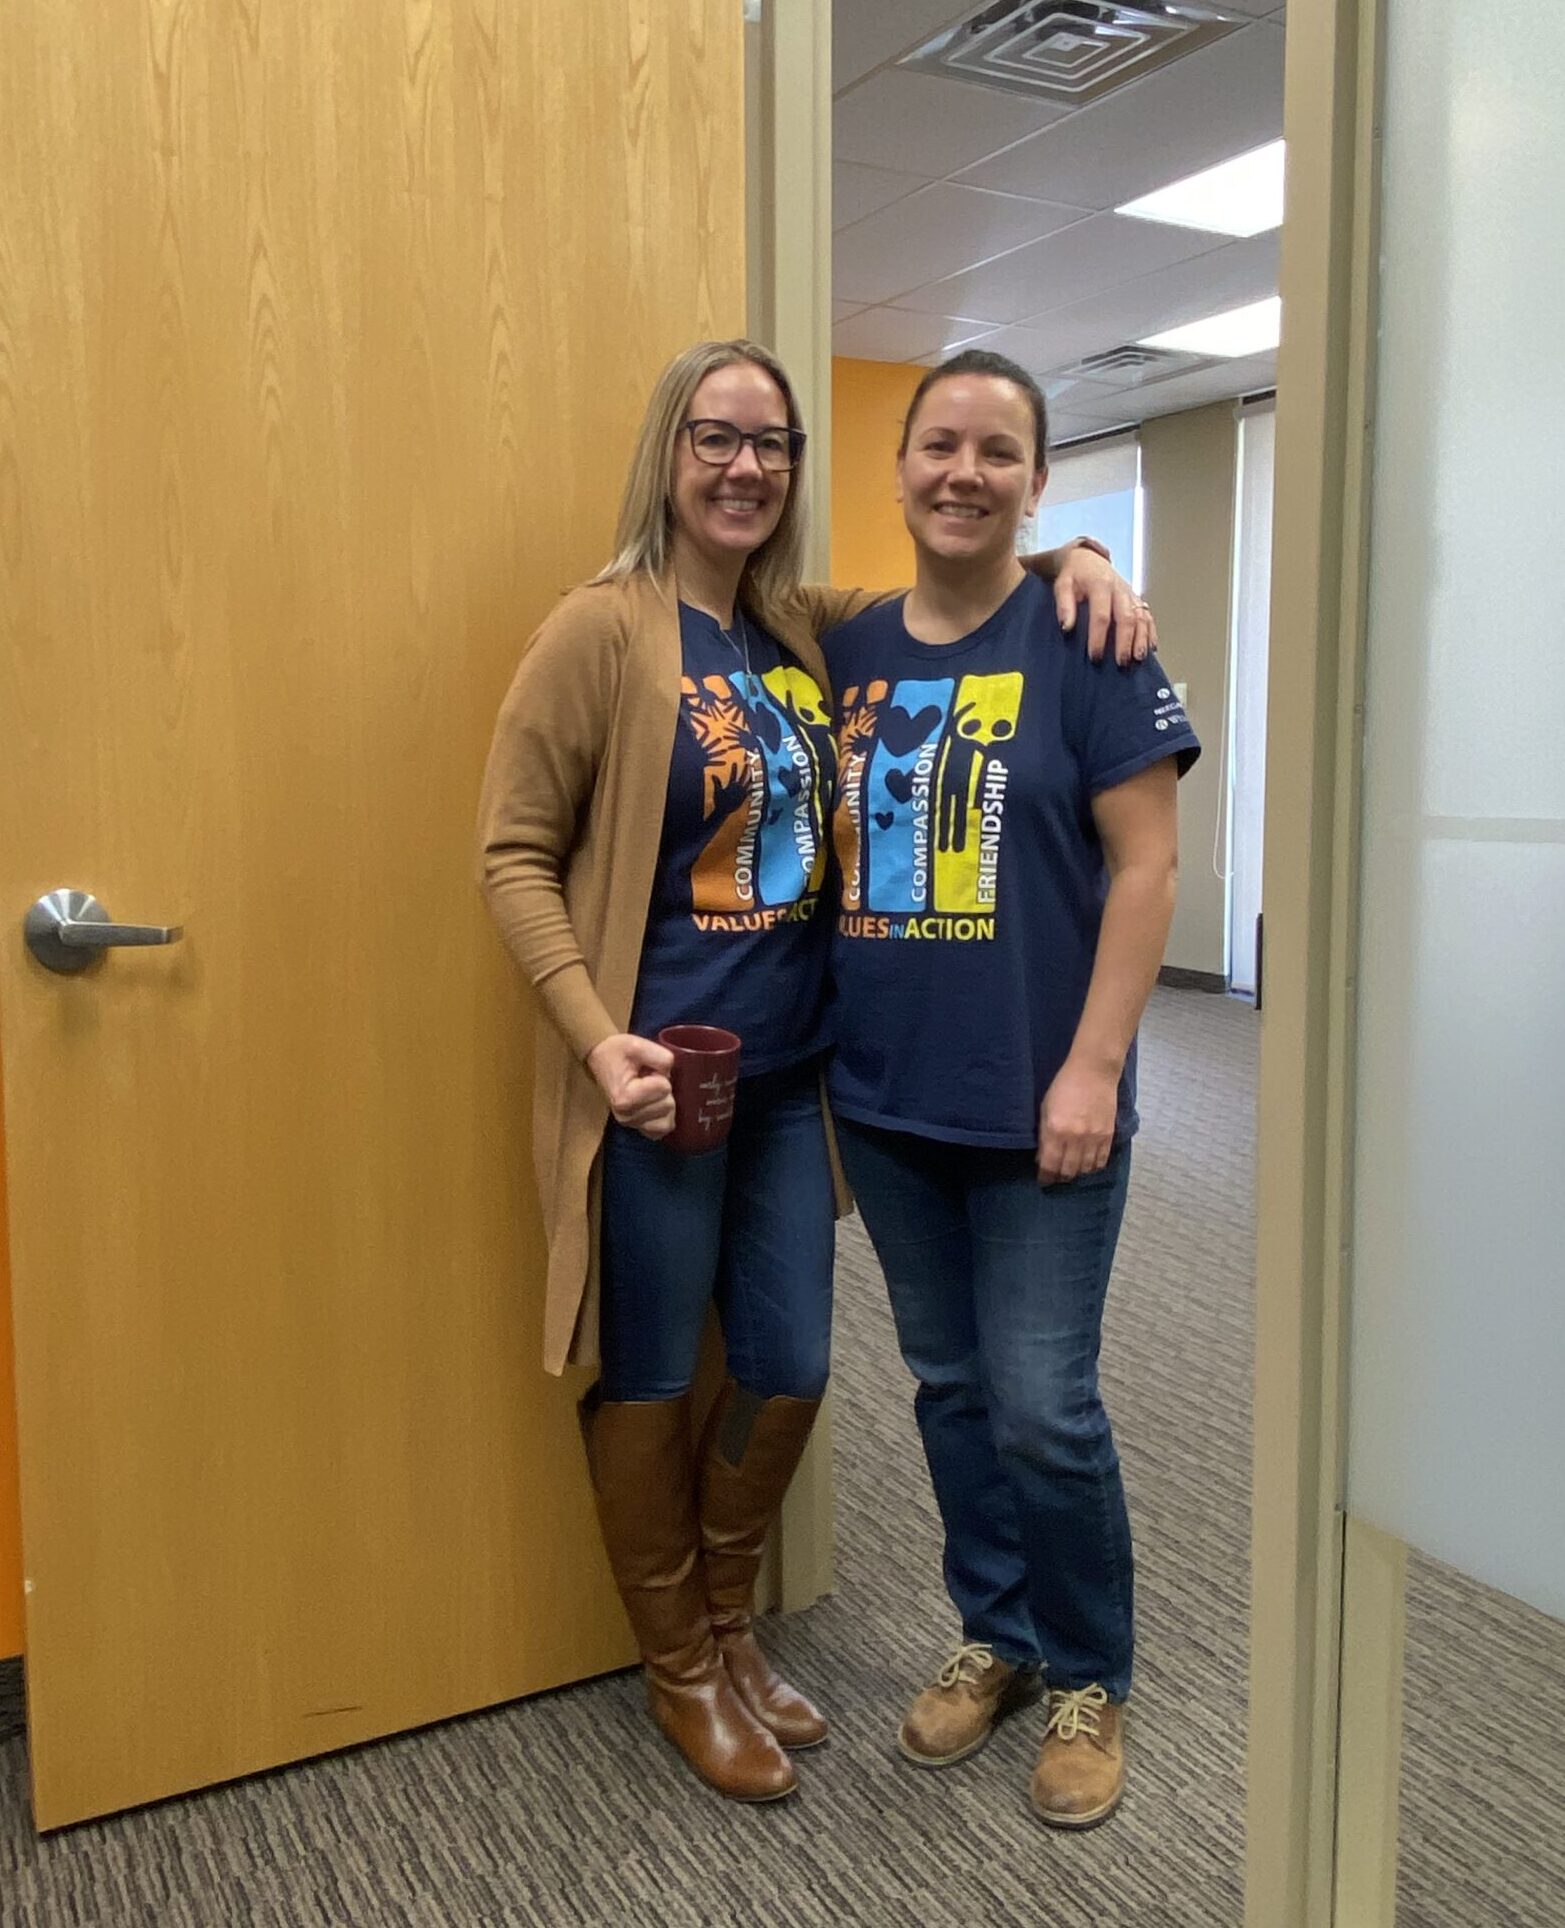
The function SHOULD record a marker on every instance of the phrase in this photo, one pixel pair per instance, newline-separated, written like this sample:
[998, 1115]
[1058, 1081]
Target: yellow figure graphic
[855, 740]
[798, 693]
[970, 790]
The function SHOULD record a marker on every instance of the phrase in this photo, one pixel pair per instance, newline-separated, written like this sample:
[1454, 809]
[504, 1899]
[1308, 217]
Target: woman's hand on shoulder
[1076, 1121]
[633, 1075]
[1083, 572]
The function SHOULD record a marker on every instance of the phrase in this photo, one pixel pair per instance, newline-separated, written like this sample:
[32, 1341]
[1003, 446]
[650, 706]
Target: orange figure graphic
[733, 791]
[855, 741]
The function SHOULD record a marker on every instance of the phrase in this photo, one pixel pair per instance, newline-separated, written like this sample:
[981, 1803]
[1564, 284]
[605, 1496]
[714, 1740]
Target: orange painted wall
[10, 1510]
[869, 545]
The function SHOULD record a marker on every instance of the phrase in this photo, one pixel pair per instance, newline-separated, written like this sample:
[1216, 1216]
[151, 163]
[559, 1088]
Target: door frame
[1311, 886]
[788, 252]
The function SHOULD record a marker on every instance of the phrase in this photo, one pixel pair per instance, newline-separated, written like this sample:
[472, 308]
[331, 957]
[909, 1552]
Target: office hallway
[569, 1809]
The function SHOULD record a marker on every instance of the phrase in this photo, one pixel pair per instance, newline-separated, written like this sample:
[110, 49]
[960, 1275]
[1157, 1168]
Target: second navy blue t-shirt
[972, 876]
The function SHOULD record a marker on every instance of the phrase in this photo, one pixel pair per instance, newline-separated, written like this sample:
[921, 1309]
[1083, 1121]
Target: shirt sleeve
[1123, 720]
[828, 608]
[542, 767]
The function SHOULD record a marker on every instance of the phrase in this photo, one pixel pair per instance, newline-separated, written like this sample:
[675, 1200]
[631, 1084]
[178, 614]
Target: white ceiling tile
[840, 310]
[1260, 371]
[1079, 261]
[1113, 405]
[857, 191]
[923, 124]
[1257, 9]
[865, 34]
[1218, 102]
[1038, 349]
[892, 334]
[1065, 427]
[1217, 384]
[1070, 391]
[1223, 382]
[933, 233]
[1226, 277]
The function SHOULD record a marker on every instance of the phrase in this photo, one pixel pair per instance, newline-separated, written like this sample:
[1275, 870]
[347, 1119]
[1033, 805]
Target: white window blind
[1247, 729]
[1101, 468]
[1094, 491]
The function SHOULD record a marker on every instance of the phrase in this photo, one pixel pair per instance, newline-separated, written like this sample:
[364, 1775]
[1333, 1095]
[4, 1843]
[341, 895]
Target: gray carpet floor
[568, 1809]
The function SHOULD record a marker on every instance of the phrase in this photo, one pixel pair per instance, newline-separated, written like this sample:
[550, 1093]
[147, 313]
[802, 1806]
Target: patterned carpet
[569, 1810]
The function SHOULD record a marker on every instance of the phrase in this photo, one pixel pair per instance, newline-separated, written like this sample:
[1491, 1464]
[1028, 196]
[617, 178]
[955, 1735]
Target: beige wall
[1188, 472]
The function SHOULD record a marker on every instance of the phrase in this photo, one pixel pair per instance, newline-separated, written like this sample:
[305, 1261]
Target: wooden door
[324, 329]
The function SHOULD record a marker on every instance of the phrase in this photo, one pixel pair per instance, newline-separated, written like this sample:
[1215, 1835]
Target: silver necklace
[743, 647]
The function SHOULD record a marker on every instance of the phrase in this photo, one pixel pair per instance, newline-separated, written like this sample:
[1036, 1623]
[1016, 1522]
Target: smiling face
[728, 512]
[967, 480]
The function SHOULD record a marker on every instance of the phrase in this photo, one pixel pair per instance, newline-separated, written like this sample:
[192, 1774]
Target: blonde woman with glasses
[655, 830]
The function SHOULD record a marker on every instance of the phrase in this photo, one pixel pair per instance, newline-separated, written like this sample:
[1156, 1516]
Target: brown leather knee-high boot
[643, 1474]
[748, 1456]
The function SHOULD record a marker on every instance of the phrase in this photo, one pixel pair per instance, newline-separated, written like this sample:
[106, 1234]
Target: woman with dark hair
[654, 849]
[1006, 830]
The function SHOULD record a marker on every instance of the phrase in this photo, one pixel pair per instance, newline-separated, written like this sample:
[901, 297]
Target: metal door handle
[67, 929]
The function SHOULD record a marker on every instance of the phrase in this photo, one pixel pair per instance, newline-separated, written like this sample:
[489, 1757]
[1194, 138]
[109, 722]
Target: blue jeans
[997, 1285]
[748, 1225]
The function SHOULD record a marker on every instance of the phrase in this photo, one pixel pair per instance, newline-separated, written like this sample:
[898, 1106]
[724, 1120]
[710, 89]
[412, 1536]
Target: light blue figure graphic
[789, 834]
[899, 801]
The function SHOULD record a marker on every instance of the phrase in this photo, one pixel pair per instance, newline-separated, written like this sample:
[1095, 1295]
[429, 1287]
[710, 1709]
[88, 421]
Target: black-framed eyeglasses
[719, 442]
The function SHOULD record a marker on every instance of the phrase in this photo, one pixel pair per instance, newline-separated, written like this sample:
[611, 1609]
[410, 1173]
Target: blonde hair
[643, 539]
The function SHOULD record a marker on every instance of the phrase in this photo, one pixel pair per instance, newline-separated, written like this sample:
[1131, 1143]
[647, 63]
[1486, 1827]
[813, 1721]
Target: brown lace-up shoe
[957, 1712]
[1080, 1774]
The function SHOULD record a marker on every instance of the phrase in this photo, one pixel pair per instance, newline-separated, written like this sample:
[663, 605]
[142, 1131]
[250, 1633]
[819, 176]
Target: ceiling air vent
[1131, 360]
[1069, 51]
[1128, 366]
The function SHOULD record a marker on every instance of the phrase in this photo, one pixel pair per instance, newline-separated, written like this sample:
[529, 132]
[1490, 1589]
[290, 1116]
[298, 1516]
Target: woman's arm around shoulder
[824, 607]
[1082, 571]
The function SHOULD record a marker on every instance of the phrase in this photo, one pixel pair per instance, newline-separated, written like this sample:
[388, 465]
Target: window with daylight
[1094, 491]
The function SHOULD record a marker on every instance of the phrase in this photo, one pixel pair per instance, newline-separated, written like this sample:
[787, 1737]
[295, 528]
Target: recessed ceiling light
[1242, 196]
[1239, 331]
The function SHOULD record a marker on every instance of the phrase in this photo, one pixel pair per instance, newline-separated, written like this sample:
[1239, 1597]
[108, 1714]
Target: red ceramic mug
[705, 1077]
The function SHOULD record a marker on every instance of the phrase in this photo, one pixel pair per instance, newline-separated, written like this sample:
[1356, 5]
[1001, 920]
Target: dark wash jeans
[748, 1224]
[997, 1285]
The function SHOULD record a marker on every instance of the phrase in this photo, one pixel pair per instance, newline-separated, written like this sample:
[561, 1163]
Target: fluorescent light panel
[1239, 331]
[1241, 197]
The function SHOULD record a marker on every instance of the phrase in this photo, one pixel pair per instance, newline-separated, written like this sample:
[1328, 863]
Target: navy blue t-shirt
[737, 934]
[972, 876]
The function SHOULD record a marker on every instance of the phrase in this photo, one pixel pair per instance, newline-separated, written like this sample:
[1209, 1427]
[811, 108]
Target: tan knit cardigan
[569, 825]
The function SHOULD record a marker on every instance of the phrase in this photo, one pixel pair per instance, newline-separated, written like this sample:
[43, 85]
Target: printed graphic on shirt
[765, 858]
[922, 775]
